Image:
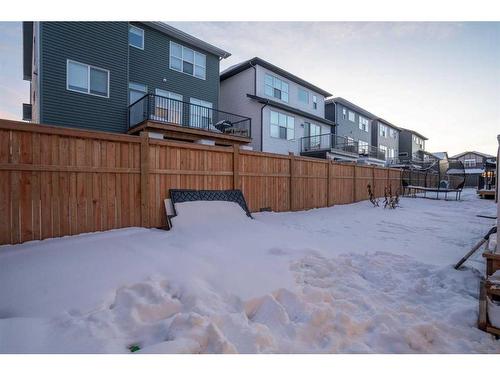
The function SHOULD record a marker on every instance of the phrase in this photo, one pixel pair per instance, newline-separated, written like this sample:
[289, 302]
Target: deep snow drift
[344, 279]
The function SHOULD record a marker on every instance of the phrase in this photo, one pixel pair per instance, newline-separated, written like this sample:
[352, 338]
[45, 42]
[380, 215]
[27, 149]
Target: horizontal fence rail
[57, 181]
[176, 112]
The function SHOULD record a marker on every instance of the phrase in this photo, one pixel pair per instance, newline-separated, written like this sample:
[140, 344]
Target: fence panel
[58, 181]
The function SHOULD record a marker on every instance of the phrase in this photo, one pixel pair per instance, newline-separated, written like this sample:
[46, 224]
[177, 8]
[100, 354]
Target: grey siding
[102, 44]
[151, 67]
[388, 141]
[346, 128]
[407, 144]
[234, 99]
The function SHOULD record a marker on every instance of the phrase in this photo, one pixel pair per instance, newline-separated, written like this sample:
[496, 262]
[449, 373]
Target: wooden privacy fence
[58, 181]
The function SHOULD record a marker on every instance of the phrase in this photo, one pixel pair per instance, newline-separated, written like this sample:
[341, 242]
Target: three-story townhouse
[411, 145]
[128, 77]
[385, 136]
[284, 108]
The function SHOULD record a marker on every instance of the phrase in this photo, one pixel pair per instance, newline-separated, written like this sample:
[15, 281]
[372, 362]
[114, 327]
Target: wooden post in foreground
[145, 179]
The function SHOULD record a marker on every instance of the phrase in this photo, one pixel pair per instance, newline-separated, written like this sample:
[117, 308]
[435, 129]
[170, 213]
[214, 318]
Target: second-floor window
[135, 37]
[276, 88]
[363, 123]
[303, 96]
[315, 102]
[344, 113]
[87, 79]
[352, 117]
[282, 126]
[469, 163]
[392, 133]
[383, 131]
[188, 61]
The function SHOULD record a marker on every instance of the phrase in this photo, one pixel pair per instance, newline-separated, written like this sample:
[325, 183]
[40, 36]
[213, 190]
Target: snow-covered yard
[345, 279]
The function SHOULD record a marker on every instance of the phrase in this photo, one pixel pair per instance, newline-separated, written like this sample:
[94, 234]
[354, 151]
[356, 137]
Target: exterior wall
[150, 67]
[293, 94]
[233, 98]
[387, 141]
[35, 75]
[470, 155]
[346, 128]
[407, 144]
[102, 44]
[283, 146]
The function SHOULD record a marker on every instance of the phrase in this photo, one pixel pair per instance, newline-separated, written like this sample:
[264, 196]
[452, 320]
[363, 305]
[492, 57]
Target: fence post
[236, 167]
[354, 182]
[291, 180]
[144, 179]
[328, 198]
[389, 181]
[373, 179]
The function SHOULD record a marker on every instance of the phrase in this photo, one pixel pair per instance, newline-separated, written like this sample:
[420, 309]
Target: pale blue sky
[441, 79]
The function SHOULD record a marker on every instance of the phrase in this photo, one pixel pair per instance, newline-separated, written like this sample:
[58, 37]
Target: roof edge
[186, 38]
[244, 65]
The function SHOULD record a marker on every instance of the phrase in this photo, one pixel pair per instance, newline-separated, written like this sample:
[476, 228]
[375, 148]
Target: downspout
[262, 126]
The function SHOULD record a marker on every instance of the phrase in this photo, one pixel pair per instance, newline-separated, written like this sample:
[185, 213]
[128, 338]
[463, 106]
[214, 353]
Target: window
[363, 123]
[303, 96]
[200, 113]
[315, 102]
[470, 163]
[351, 116]
[87, 79]
[384, 150]
[187, 61]
[282, 126]
[136, 91]
[276, 88]
[344, 113]
[383, 130]
[363, 147]
[168, 106]
[392, 153]
[135, 37]
[315, 135]
[392, 133]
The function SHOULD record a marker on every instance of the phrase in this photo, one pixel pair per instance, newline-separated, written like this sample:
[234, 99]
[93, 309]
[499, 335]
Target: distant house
[361, 135]
[474, 163]
[440, 155]
[127, 77]
[411, 145]
[288, 112]
[385, 136]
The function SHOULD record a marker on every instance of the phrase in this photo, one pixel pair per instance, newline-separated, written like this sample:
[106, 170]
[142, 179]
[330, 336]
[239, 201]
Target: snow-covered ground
[345, 279]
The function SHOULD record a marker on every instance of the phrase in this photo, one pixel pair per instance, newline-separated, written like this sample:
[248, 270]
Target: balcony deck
[187, 122]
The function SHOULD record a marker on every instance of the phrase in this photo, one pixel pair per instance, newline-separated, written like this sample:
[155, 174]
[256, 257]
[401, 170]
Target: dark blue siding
[151, 67]
[102, 44]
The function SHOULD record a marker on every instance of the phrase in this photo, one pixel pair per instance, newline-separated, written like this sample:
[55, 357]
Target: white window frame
[142, 32]
[384, 129]
[195, 64]
[363, 146]
[353, 116]
[68, 61]
[209, 110]
[145, 91]
[315, 102]
[287, 126]
[363, 123]
[385, 150]
[344, 113]
[273, 87]
[470, 163]
[174, 115]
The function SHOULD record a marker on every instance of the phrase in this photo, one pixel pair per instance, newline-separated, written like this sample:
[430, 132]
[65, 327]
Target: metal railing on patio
[327, 142]
[171, 111]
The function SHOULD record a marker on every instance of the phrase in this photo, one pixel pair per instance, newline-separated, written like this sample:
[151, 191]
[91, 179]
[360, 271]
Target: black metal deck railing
[172, 111]
[371, 152]
[327, 142]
